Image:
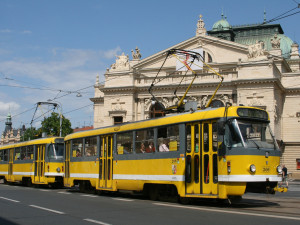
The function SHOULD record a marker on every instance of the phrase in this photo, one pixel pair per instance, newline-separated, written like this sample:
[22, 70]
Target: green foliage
[51, 125]
[31, 133]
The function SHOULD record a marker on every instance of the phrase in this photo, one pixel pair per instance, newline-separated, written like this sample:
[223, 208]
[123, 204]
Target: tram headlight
[252, 168]
[279, 169]
[58, 169]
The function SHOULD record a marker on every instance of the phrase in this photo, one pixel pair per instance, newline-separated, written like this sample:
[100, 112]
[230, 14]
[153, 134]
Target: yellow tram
[38, 161]
[211, 153]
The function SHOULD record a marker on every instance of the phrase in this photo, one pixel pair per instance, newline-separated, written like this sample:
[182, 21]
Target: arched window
[216, 104]
[207, 57]
[156, 110]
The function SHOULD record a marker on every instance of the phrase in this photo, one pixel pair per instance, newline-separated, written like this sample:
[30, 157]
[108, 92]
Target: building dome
[285, 45]
[222, 24]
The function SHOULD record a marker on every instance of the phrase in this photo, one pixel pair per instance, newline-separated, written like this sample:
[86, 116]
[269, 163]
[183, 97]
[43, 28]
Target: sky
[54, 49]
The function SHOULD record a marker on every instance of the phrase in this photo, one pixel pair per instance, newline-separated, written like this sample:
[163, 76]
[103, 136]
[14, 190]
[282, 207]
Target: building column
[142, 101]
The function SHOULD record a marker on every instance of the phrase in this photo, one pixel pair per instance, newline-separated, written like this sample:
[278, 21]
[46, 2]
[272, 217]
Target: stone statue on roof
[275, 42]
[136, 55]
[122, 63]
[256, 49]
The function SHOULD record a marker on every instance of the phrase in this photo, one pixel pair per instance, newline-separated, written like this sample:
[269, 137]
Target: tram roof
[191, 116]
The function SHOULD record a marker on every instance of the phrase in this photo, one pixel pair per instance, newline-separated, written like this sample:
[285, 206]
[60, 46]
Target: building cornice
[97, 99]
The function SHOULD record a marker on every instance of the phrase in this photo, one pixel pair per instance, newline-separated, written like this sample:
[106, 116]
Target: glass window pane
[144, 141]
[206, 137]
[215, 168]
[206, 169]
[125, 143]
[188, 138]
[168, 138]
[77, 147]
[90, 145]
[188, 171]
[17, 154]
[215, 136]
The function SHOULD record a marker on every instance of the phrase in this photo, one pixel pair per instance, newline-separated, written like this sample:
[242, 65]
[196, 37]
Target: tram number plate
[266, 169]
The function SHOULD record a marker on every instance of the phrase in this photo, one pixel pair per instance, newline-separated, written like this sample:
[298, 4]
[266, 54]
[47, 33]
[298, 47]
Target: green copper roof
[251, 33]
[221, 24]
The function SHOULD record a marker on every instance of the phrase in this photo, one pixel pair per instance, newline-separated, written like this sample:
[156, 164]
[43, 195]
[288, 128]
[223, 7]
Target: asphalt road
[42, 206]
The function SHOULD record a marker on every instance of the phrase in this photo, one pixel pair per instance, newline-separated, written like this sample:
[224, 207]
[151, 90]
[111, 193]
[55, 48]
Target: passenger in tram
[143, 148]
[150, 148]
[78, 153]
[163, 147]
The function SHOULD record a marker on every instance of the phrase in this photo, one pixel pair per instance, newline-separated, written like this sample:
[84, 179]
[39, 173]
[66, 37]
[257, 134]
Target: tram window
[206, 169]
[188, 169]
[77, 147]
[206, 137]
[2, 155]
[56, 151]
[17, 154]
[29, 152]
[215, 168]
[23, 152]
[215, 136]
[144, 142]
[90, 145]
[5, 155]
[168, 138]
[108, 169]
[188, 138]
[196, 169]
[109, 146]
[124, 143]
[196, 134]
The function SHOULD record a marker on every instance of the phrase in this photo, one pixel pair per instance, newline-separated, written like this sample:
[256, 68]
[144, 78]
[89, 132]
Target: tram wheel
[184, 200]
[153, 193]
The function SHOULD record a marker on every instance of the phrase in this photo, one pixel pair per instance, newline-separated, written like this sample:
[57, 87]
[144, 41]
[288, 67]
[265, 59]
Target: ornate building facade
[10, 135]
[260, 66]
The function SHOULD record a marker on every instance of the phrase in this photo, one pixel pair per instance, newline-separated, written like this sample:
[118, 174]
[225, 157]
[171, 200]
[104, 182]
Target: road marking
[91, 196]
[96, 221]
[66, 193]
[50, 210]
[226, 211]
[8, 199]
[123, 199]
[44, 190]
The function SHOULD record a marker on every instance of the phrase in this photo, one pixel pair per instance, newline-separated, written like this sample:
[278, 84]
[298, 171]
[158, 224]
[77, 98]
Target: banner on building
[184, 61]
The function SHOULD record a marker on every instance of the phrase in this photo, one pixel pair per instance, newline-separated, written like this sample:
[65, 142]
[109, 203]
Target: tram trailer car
[38, 161]
[212, 153]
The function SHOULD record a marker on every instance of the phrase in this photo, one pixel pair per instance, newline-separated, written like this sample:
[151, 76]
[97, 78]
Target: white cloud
[6, 107]
[111, 53]
[67, 70]
[6, 31]
[26, 32]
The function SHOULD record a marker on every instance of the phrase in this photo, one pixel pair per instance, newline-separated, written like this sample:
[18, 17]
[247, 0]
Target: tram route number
[266, 169]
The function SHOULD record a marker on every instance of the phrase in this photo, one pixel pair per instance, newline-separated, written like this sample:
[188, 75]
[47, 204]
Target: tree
[31, 133]
[51, 125]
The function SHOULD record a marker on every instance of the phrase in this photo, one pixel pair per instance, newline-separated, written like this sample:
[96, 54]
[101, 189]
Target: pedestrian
[285, 176]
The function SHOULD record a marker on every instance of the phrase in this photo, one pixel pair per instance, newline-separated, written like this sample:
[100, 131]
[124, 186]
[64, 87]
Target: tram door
[201, 158]
[10, 164]
[67, 164]
[106, 162]
[39, 164]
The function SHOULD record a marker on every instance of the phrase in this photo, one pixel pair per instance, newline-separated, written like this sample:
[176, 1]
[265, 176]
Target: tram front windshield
[249, 134]
[56, 151]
